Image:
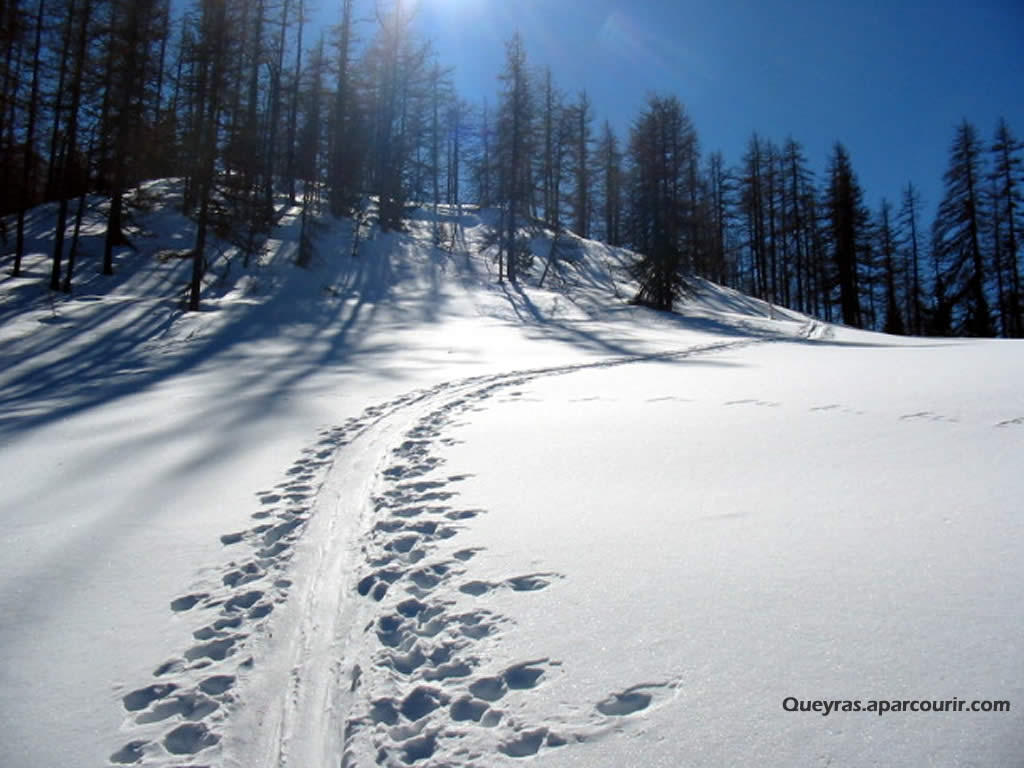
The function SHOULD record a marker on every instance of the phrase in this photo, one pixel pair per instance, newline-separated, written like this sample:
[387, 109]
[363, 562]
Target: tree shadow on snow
[96, 347]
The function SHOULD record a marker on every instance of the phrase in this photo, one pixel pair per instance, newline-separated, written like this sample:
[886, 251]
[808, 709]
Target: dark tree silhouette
[957, 233]
[848, 219]
[663, 142]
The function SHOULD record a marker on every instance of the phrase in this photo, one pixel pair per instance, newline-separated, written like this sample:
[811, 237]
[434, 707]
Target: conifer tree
[70, 145]
[847, 218]
[886, 247]
[751, 203]
[797, 185]
[662, 144]
[719, 190]
[29, 156]
[135, 32]
[1008, 225]
[515, 140]
[957, 233]
[210, 72]
[582, 119]
[610, 156]
[909, 245]
[293, 105]
[550, 178]
[342, 173]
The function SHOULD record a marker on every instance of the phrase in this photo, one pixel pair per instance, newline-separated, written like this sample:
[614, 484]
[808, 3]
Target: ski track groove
[425, 647]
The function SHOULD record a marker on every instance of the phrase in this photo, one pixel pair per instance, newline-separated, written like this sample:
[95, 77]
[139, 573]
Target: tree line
[246, 101]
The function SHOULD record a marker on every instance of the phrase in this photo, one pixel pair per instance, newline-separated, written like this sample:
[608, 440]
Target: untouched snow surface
[386, 511]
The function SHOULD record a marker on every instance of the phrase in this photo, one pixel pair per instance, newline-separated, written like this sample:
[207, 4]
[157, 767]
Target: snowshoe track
[430, 649]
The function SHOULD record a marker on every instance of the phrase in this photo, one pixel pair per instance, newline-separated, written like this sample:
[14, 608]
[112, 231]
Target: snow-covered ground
[387, 511]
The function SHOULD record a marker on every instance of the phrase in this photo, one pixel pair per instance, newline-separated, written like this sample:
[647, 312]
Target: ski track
[429, 653]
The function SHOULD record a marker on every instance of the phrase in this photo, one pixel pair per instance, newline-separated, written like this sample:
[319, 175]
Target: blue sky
[889, 79]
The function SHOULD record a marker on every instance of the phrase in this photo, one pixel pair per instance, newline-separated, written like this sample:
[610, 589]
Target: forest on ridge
[247, 102]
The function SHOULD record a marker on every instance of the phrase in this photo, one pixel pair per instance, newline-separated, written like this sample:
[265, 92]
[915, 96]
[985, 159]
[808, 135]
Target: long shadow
[114, 358]
[582, 277]
[78, 360]
[326, 315]
[327, 327]
[576, 332]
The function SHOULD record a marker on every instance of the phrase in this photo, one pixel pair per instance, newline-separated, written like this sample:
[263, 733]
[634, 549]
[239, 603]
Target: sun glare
[460, 7]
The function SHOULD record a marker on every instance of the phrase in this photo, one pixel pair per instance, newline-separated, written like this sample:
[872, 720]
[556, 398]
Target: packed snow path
[412, 639]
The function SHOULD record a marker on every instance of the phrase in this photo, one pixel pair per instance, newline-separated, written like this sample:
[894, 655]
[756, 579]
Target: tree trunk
[29, 161]
[66, 286]
[293, 116]
[53, 159]
[69, 149]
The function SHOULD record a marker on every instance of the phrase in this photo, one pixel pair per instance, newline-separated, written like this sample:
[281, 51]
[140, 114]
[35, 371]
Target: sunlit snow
[386, 510]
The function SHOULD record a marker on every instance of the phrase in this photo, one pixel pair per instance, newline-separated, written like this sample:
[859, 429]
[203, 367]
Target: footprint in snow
[187, 602]
[637, 698]
[518, 677]
[143, 697]
[626, 703]
[130, 753]
[928, 416]
[188, 706]
[530, 583]
[190, 738]
[525, 744]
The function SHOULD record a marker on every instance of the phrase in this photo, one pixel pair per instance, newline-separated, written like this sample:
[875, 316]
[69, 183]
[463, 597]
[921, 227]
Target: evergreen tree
[847, 219]
[70, 145]
[343, 175]
[770, 175]
[457, 114]
[550, 172]
[909, 245]
[750, 199]
[886, 248]
[134, 39]
[396, 66]
[515, 143]
[582, 122]
[12, 33]
[720, 188]
[272, 150]
[209, 67]
[311, 133]
[1008, 225]
[798, 186]
[610, 157]
[29, 157]
[293, 105]
[440, 96]
[483, 161]
[957, 233]
[663, 143]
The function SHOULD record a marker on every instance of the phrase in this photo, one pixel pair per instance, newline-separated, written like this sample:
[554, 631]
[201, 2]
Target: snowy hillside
[387, 511]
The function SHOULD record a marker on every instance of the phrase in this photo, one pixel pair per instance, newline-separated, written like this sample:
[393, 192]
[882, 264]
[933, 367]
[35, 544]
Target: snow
[754, 533]
[387, 511]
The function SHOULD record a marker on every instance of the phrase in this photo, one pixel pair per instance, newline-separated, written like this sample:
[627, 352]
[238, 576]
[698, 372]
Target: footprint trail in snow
[423, 643]
[430, 692]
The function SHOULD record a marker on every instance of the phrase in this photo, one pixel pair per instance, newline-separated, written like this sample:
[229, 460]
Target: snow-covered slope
[388, 511]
